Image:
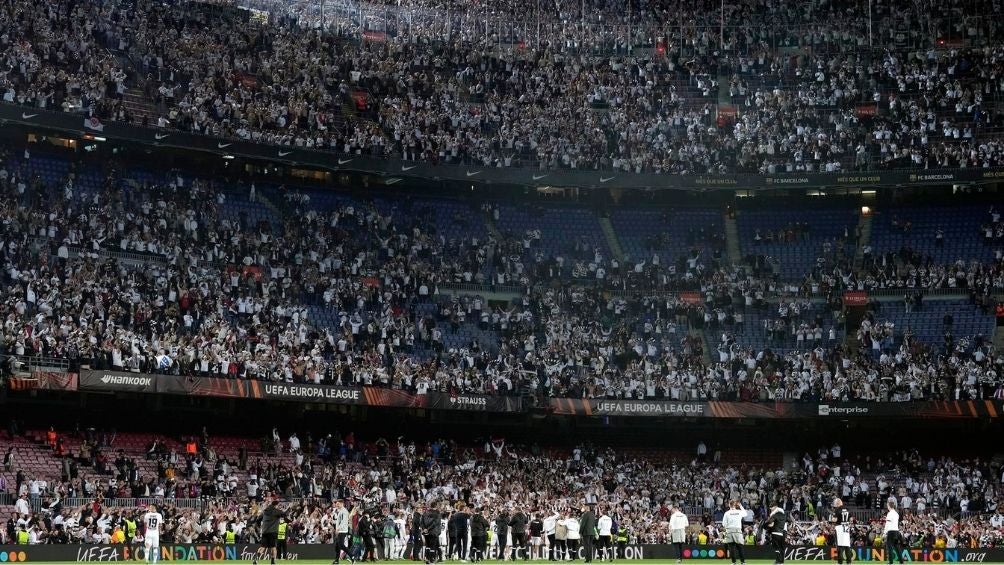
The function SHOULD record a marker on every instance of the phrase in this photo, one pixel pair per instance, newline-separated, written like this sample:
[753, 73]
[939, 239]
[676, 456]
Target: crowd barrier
[127, 382]
[246, 552]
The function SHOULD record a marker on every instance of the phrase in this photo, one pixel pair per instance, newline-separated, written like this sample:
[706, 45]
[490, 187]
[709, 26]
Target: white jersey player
[678, 524]
[152, 522]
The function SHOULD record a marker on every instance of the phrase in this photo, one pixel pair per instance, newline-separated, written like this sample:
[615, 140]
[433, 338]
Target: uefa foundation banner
[316, 552]
[138, 553]
[770, 410]
[829, 554]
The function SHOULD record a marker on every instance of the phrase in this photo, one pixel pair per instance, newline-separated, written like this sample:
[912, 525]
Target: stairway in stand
[732, 238]
[139, 106]
[612, 240]
[865, 239]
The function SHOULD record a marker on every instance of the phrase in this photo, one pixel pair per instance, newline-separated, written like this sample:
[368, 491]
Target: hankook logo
[124, 380]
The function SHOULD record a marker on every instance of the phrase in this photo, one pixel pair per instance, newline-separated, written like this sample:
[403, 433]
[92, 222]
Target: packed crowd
[552, 103]
[389, 480]
[350, 296]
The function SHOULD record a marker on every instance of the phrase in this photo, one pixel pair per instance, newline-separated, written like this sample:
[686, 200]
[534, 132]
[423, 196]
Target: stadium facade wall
[35, 119]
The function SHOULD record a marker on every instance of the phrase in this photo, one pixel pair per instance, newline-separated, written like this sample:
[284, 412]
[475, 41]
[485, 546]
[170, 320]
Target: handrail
[486, 288]
[77, 251]
[42, 362]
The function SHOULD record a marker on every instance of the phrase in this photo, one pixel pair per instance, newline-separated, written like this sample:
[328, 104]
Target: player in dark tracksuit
[479, 536]
[501, 532]
[458, 529]
[270, 529]
[776, 526]
[518, 526]
[431, 528]
[417, 539]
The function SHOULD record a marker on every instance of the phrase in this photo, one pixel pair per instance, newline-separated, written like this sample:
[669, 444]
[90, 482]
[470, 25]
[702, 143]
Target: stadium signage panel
[774, 410]
[952, 555]
[313, 552]
[44, 380]
[39, 120]
[116, 381]
[827, 410]
[472, 402]
[859, 179]
[312, 392]
[122, 381]
[643, 408]
[119, 381]
[855, 298]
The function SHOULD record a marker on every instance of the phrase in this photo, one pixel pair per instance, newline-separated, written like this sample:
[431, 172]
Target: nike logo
[538, 177]
[393, 181]
[470, 174]
[284, 153]
[343, 161]
[223, 145]
[606, 179]
[405, 168]
[159, 136]
[27, 116]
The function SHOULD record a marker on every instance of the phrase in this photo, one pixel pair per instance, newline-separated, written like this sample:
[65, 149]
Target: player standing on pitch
[841, 520]
[776, 526]
[270, 528]
[678, 524]
[732, 521]
[893, 539]
[152, 521]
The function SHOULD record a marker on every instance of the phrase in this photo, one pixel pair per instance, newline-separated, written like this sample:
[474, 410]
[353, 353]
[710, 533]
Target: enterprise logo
[827, 410]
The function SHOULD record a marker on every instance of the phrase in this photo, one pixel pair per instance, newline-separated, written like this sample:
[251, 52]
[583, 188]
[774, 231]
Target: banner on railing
[317, 552]
[44, 120]
[385, 397]
[855, 298]
[43, 380]
[120, 381]
[771, 410]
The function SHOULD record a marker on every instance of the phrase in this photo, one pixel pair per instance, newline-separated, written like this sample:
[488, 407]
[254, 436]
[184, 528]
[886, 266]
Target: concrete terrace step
[732, 238]
[612, 241]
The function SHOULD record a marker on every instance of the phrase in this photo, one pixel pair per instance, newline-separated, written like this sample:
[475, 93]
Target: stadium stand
[650, 107]
[211, 270]
[164, 265]
[118, 470]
